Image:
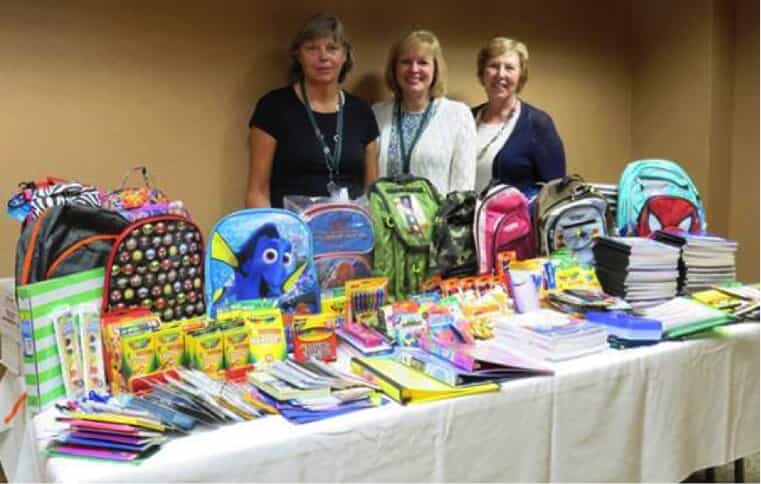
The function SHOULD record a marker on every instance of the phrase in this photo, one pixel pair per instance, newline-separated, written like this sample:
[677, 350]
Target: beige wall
[744, 172]
[90, 89]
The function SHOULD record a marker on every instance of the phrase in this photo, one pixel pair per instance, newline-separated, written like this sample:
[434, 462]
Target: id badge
[337, 192]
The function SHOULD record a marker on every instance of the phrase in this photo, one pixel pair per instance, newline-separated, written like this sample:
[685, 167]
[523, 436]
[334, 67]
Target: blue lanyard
[406, 155]
[332, 162]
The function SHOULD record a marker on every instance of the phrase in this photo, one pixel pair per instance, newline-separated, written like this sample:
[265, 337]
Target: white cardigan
[446, 151]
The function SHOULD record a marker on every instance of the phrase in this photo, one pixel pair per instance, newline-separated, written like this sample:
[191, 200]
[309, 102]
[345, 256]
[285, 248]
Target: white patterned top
[446, 151]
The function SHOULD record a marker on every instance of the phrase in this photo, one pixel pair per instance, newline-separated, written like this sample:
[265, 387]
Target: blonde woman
[422, 132]
[517, 142]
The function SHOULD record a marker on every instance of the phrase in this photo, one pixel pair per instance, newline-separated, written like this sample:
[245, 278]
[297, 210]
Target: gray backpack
[569, 213]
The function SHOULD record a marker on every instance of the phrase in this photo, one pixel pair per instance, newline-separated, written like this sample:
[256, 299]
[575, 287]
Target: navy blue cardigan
[533, 152]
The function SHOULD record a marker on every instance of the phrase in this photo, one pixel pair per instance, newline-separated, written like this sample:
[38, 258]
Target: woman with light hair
[422, 132]
[517, 142]
[311, 137]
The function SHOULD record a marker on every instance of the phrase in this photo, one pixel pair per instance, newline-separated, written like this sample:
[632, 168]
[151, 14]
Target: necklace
[406, 155]
[499, 133]
[332, 161]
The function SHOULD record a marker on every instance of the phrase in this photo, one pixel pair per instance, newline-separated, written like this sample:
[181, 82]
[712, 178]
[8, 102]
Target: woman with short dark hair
[310, 137]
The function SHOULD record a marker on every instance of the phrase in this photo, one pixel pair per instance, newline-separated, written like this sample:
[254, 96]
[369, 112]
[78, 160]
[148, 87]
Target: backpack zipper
[500, 224]
[476, 225]
[30, 249]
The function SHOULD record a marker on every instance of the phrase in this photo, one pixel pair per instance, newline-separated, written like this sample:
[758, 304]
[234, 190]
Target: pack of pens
[364, 298]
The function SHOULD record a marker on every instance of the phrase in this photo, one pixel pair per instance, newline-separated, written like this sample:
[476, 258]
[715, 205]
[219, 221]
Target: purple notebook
[122, 439]
[76, 450]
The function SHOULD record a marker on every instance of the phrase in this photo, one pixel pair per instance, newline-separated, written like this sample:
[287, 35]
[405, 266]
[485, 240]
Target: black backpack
[453, 251]
[66, 239]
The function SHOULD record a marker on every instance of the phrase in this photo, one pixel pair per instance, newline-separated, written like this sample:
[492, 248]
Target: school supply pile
[739, 301]
[547, 335]
[132, 428]
[706, 260]
[642, 271]
[682, 316]
[312, 390]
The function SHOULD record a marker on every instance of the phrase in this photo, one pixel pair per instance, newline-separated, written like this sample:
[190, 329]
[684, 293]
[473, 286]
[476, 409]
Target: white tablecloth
[647, 414]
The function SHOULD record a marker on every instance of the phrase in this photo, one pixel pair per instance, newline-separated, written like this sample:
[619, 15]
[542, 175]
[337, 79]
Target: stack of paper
[548, 335]
[682, 316]
[305, 392]
[707, 260]
[642, 271]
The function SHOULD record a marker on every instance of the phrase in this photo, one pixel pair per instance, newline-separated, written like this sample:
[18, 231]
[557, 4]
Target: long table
[655, 413]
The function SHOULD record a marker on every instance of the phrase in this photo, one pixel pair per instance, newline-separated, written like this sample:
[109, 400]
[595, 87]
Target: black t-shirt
[299, 166]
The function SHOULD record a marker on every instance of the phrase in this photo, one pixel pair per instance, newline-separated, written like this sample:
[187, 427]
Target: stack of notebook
[642, 271]
[706, 260]
[550, 336]
[108, 436]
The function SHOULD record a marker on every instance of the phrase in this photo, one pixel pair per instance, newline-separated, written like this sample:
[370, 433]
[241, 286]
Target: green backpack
[403, 210]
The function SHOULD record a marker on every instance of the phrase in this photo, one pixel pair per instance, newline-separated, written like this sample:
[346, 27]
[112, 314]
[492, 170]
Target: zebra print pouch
[35, 197]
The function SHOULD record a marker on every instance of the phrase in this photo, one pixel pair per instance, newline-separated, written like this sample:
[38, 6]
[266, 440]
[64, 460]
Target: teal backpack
[657, 195]
[403, 210]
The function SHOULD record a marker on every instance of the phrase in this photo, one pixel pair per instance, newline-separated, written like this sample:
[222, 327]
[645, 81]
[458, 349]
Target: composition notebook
[407, 385]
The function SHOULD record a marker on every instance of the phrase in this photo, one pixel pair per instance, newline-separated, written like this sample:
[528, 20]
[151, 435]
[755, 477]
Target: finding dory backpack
[655, 195]
[261, 253]
[502, 223]
[570, 213]
[157, 263]
[343, 238]
[402, 210]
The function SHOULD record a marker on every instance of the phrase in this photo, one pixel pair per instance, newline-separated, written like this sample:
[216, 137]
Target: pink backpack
[502, 223]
